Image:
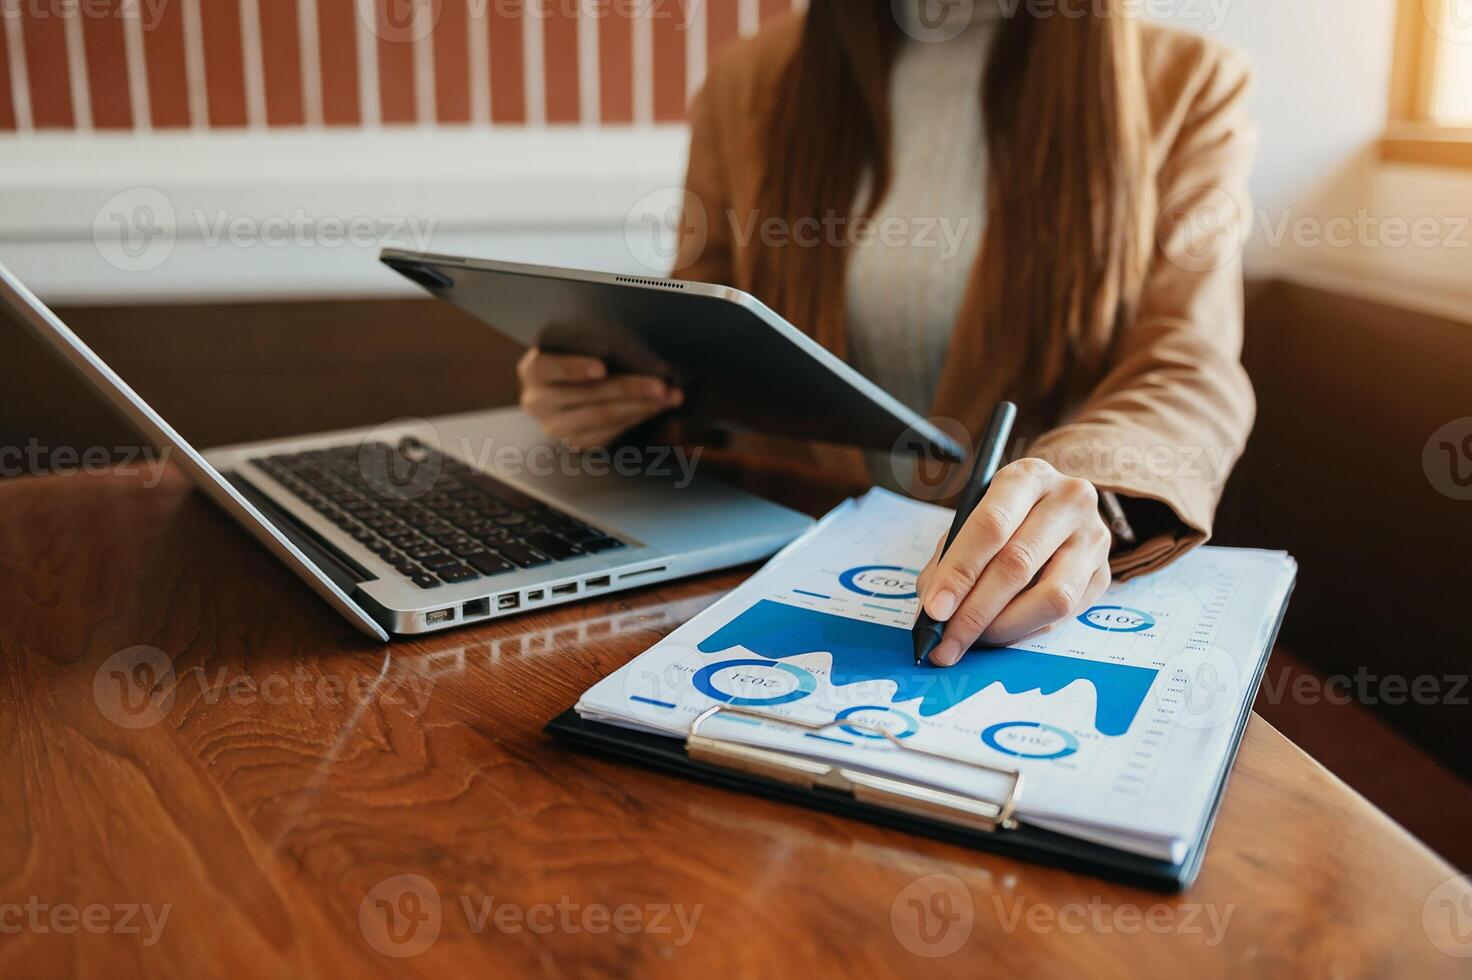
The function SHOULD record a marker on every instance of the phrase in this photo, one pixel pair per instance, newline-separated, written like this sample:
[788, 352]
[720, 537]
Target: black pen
[927, 632]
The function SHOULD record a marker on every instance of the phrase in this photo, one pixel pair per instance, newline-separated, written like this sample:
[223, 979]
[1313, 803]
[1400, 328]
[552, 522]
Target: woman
[1090, 153]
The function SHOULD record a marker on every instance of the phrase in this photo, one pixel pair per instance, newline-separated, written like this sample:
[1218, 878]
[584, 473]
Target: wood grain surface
[204, 772]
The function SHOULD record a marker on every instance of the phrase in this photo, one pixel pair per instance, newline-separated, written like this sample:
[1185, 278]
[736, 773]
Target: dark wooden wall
[1349, 393]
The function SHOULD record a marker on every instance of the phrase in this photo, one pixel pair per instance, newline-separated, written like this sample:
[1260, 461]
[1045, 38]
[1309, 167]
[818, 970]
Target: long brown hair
[1070, 206]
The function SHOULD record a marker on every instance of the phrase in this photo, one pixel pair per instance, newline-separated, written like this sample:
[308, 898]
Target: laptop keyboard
[431, 517]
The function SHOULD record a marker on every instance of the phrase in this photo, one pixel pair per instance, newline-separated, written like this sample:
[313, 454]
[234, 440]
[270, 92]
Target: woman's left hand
[1034, 552]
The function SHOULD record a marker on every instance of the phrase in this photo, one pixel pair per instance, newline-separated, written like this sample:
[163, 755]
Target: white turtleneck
[902, 294]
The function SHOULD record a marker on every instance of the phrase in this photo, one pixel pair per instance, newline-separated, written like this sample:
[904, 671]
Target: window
[1451, 94]
[1431, 90]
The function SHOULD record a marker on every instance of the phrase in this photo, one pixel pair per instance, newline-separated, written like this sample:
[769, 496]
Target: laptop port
[508, 601]
[568, 589]
[601, 582]
[534, 595]
[439, 616]
[476, 607]
[643, 571]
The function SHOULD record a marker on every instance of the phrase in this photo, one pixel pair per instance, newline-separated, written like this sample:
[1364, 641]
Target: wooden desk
[299, 775]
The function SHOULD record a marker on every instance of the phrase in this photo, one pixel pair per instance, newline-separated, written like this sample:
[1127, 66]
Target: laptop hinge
[344, 572]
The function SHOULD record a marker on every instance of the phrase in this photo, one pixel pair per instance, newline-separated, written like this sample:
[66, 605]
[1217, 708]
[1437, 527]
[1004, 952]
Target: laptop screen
[229, 373]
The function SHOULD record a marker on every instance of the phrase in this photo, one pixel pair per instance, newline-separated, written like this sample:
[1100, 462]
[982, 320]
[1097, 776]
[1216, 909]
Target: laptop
[423, 524]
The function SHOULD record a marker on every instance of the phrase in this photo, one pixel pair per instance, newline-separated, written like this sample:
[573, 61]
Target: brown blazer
[1171, 412]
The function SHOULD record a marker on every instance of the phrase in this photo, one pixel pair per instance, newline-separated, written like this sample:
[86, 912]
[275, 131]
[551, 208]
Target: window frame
[1411, 134]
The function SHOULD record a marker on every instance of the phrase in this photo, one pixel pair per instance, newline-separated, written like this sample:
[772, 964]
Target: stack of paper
[1121, 720]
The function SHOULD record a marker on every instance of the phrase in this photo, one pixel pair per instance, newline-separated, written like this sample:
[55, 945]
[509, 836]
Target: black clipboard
[1022, 841]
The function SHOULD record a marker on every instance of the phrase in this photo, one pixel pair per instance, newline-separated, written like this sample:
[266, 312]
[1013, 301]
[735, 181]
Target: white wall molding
[295, 214]
[1395, 233]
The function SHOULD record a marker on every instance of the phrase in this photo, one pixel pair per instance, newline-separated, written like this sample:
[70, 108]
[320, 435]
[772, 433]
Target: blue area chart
[864, 652]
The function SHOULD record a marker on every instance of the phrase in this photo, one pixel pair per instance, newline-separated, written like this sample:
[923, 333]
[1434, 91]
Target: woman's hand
[1035, 551]
[574, 399]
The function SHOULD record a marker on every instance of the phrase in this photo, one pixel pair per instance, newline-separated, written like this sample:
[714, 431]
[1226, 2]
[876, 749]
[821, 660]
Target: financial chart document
[1121, 719]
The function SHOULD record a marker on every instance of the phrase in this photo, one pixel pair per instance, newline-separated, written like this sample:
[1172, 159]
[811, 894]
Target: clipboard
[985, 824]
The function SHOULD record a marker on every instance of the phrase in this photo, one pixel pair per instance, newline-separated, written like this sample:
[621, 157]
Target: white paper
[1121, 719]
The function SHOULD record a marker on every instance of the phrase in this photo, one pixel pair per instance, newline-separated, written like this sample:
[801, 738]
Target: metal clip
[888, 792]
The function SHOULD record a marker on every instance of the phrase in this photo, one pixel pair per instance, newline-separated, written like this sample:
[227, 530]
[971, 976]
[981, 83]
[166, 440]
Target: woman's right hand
[574, 399]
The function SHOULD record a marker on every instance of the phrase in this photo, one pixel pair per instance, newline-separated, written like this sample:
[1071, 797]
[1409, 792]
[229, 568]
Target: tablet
[742, 367]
